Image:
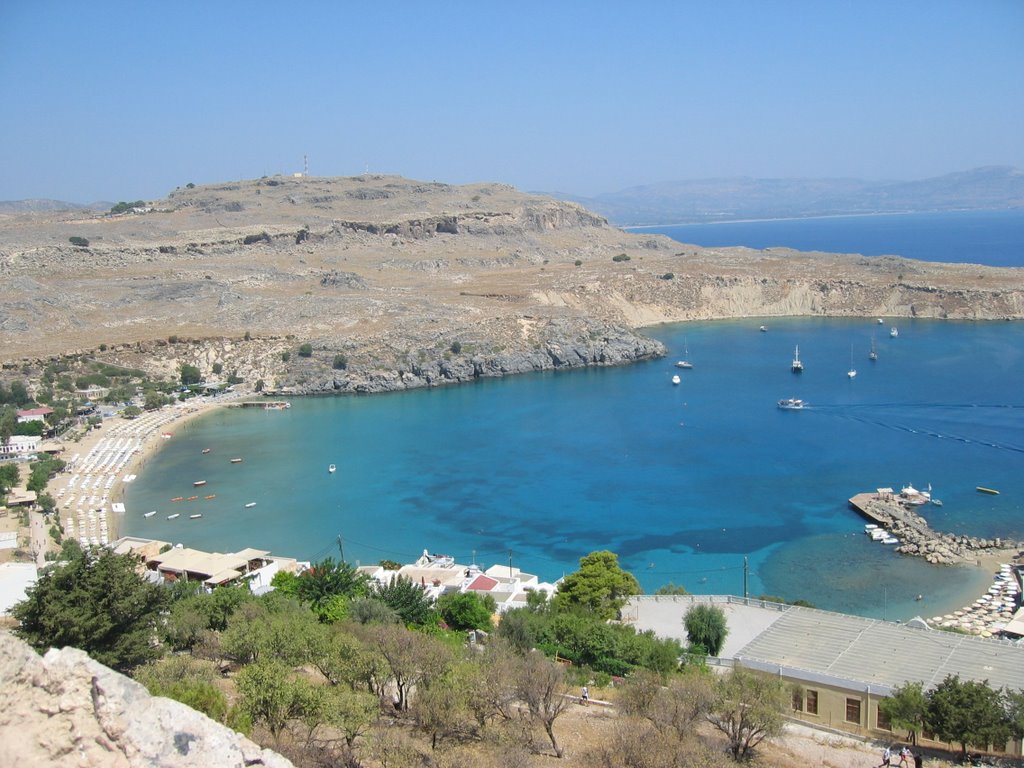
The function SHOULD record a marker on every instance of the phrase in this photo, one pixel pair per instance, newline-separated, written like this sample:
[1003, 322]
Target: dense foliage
[600, 586]
[706, 628]
[96, 601]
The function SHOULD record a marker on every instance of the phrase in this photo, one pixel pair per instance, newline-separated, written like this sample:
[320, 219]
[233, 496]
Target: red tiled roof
[482, 584]
[36, 412]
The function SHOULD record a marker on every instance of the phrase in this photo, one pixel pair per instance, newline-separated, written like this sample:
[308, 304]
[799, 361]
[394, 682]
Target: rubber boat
[236, 461]
[150, 514]
[193, 517]
[250, 505]
[171, 517]
[332, 469]
[198, 483]
[206, 450]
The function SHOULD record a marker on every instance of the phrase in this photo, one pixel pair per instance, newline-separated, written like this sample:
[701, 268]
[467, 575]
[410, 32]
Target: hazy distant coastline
[745, 199]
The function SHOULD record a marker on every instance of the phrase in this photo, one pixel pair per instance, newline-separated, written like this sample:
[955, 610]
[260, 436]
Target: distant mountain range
[702, 200]
[43, 205]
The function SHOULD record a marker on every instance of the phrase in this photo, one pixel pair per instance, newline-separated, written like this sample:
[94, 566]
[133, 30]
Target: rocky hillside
[396, 283]
[67, 711]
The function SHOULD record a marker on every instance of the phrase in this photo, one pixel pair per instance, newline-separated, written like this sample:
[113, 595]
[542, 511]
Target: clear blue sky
[119, 101]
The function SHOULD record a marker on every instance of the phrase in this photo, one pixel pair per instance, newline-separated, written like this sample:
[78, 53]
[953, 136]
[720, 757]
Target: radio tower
[305, 166]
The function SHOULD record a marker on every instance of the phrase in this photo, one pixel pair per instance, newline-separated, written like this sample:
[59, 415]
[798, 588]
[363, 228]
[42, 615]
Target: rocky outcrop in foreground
[64, 709]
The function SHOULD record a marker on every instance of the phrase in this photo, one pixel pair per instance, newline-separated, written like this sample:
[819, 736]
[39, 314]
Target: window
[812, 702]
[853, 711]
[882, 721]
[798, 700]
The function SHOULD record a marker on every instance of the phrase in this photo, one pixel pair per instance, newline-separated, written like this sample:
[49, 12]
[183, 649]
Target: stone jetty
[887, 510]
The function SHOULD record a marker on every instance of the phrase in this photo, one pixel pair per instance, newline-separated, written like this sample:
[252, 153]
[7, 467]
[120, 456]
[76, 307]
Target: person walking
[886, 758]
[585, 697]
[905, 757]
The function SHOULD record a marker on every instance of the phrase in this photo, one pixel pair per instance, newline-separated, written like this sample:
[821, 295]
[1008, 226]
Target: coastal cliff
[394, 284]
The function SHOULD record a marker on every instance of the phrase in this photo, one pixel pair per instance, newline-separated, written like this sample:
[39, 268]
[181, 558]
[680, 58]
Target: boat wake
[950, 429]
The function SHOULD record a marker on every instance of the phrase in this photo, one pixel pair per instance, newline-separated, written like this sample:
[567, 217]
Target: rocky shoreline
[918, 539]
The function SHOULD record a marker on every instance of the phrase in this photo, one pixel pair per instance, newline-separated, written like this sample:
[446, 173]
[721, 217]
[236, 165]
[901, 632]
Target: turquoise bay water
[993, 238]
[684, 482]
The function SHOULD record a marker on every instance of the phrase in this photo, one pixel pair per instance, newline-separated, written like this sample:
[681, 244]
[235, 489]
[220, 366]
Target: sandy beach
[90, 491]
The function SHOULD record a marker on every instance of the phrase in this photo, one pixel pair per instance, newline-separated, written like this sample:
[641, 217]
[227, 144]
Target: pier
[886, 510]
[267, 405]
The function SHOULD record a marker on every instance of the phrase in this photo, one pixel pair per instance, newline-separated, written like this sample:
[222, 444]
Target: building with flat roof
[838, 667]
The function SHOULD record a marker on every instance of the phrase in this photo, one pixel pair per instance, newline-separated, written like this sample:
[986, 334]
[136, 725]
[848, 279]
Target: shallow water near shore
[683, 482]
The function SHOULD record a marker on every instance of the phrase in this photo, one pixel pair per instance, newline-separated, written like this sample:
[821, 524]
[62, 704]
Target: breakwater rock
[917, 537]
[65, 709]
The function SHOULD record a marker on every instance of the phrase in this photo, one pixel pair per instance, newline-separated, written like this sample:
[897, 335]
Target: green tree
[131, 411]
[327, 578]
[748, 709]
[190, 681]
[466, 610]
[272, 695]
[408, 600]
[599, 586]
[306, 350]
[967, 712]
[217, 368]
[98, 602]
[9, 477]
[671, 589]
[340, 362]
[190, 375]
[154, 400]
[706, 626]
[1015, 711]
[906, 708]
[79, 241]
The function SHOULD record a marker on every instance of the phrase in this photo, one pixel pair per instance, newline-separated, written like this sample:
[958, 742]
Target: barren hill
[398, 283]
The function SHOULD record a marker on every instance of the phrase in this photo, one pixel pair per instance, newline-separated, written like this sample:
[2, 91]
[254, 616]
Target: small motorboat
[992, 491]
[685, 364]
[236, 461]
[676, 379]
[881, 322]
[890, 540]
[206, 450]
[893, 332]
[150, 514]
[250, 505]
[852, 373]
[331, 469]
[792, 404]
[937, 502]
[193, 517]
[763, 329]
[198, 483]
[171, 517]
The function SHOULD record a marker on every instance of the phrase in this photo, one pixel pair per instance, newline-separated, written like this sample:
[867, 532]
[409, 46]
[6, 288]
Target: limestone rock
[66, 710]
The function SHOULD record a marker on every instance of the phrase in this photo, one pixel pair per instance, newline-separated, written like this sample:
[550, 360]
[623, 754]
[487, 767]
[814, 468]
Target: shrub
[578, 262]
[456, 347]
[262, 237]
[621, 257]
[340, 362]
[285, 356]
[306, 350]
[217, 368]
[190, 185]
[81, 242]
[667, 276]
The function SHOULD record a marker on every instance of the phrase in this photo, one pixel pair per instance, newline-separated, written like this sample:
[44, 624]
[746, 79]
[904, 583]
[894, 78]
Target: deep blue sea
[995, 238]
[684, 482]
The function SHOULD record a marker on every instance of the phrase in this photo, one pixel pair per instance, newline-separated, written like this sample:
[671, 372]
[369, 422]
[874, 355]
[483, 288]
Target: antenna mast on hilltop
[305, 166]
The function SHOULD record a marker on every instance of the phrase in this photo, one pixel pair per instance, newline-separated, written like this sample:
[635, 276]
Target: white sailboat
[853, 371]
[797, 366]
[872, 355]
[685, 362]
